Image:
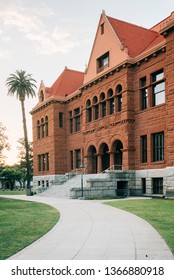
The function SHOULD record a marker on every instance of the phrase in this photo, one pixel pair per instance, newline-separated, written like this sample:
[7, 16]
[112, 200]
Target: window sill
[158, 162]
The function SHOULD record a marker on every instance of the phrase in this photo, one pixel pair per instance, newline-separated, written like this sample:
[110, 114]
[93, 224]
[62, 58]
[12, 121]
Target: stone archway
[117, 150]
[105, 156]
[92, 160]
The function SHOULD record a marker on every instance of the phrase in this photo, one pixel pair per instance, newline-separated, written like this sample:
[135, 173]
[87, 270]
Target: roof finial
[103, 12]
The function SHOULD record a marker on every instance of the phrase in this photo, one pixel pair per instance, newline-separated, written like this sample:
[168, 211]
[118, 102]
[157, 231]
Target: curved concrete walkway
[90, 230]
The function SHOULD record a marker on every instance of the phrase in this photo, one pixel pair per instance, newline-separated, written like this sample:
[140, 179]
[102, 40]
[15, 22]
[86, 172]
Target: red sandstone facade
[119, 112]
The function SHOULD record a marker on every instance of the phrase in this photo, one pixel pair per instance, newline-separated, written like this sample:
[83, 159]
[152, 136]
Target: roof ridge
[146, 48]
[73, 70]
[133, 37]
[133, 24]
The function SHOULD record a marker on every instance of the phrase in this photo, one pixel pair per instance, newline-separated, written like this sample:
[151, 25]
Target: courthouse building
[118, 114]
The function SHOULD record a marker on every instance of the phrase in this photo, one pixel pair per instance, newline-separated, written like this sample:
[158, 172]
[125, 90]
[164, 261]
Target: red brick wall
[127, 126]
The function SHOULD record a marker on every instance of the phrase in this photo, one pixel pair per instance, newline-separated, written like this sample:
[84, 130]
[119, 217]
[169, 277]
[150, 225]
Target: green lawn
[158, 212]
[22, 222]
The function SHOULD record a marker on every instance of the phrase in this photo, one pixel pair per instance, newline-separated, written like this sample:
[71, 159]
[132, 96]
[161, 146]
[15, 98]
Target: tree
[9, 175]
[22, 156]
[22, 85]
[3, 141]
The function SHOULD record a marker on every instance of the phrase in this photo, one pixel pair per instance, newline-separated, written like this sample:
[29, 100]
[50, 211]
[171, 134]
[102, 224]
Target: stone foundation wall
[120, 183]
[108, 186]
[166, 173]
[48, 180]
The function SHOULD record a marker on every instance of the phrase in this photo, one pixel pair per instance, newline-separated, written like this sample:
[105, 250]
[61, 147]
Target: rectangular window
[102, 28]
[77, 123]
[47, 162]
[158, 146]
[71, 160]
[43, 162]
[78, 158]
[157, 185]
[143, 148]
[143, 94]
[39, 162]
[143, 184]
[158, 88]
[76, 111]
[60, 119]
[77, 119]
[70, 122]
[102, 62]
[144, 98]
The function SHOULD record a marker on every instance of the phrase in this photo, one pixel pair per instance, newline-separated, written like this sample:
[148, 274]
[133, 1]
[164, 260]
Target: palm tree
[22, 85]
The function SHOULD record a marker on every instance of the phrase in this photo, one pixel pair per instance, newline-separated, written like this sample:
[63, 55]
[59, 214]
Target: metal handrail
[112, 168]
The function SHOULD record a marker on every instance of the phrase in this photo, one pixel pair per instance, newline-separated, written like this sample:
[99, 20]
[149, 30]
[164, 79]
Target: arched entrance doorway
[117, 149]
[105, 156]
[92, 160]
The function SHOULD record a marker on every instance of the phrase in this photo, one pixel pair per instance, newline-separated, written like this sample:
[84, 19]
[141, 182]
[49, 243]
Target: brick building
[119, 113]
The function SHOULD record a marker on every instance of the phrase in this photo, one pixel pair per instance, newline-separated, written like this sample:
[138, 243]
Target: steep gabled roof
[66, 83]
[133, 37]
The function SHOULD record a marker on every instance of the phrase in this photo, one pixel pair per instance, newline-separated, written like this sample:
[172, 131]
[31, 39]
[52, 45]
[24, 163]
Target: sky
[43, 36]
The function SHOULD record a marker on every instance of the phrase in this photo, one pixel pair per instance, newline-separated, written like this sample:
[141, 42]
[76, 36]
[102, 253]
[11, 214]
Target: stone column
[111, 159]
[99, 163]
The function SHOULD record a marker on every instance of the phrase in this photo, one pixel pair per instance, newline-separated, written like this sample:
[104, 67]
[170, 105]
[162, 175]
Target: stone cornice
[167, 29]
[54, 99]
[99, 128]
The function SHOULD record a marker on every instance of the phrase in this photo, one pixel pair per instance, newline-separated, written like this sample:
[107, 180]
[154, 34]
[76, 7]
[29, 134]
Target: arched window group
[42, 128]
[107, 104]
[105, 156]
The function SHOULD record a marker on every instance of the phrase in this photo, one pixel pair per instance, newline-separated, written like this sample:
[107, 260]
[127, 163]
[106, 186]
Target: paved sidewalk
[90, 230]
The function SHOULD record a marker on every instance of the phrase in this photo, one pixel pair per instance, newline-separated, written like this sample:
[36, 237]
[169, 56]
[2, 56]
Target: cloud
[52, 44]
[13, 17]
[30, 22]
[6, 39]
[4, 53]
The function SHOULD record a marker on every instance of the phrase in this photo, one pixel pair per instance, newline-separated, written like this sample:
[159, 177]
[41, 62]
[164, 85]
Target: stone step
[63, 190]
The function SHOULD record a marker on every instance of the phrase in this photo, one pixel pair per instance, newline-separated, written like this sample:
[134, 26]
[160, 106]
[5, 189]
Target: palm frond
[21, 84]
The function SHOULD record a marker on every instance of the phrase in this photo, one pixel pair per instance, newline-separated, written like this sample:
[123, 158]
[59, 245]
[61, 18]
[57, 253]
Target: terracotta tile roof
[66, 83]
[134, 37]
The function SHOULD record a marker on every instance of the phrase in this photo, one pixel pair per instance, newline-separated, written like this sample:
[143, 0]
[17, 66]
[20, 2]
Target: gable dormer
[116, 42]
[42, 93]
[107, 50]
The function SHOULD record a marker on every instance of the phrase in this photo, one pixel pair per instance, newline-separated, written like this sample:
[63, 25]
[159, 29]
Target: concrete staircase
[63, 190]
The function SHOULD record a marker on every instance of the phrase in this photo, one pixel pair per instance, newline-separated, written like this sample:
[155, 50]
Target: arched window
[110, 92]
[88, 103]
[96, 107]
[103, 104]
[88, 110]
[102, 96]
[42, 128]
[38, 129]
[95, 100]
[41, 96]
[46, 126]
[111, 101]
[119, 97]
[118, 88]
